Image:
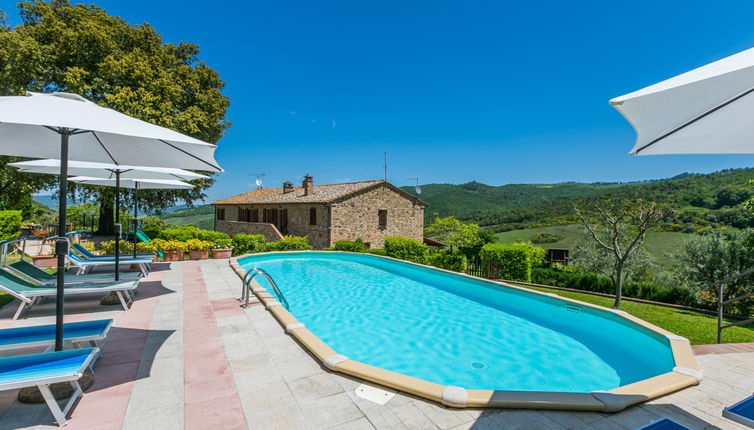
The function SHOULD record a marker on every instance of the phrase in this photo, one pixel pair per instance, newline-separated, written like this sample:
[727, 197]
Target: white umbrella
[106, 170]
[67, 126]
[705, 111]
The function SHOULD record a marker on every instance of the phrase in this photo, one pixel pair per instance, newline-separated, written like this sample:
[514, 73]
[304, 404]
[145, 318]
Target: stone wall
[231, 228]
[357, 217]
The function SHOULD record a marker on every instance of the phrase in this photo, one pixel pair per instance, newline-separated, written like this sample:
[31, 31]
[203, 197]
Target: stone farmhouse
[325, 214]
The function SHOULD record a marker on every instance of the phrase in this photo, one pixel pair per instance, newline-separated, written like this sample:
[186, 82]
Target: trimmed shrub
[375, 251]
[10, 224]
[198, 245]
[169, 245]
[211, 235]
[126, 248]
[181, 234]
[516, 260]
[404, 248]
[350, 245]
[152, 226]
[449, 260]
[248, 243]
[289, 243]
[546, 238]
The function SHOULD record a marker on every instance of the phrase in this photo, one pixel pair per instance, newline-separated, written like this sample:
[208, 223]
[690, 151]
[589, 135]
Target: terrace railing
[720, 286]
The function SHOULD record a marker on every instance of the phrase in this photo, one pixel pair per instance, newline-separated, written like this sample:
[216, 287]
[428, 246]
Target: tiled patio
[186, 356]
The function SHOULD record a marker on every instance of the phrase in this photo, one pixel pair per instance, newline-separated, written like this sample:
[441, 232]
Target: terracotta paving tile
[723, 348]
[210, 397]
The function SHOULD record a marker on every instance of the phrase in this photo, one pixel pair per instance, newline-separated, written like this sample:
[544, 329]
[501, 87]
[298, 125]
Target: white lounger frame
[30, 299]
[44, 387]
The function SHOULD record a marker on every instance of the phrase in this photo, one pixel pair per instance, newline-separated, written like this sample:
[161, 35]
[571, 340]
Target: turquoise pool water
[454, 330]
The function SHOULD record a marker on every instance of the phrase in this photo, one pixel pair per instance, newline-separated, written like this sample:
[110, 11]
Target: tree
[16, 188]
[453, 232]
[592, 257]
[81, 49]
[619, 228]
[707, 259]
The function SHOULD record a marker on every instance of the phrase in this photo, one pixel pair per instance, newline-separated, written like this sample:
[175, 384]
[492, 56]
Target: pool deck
[187, 356]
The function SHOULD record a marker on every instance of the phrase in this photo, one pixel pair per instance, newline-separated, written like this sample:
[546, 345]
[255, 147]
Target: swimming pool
[462, 335]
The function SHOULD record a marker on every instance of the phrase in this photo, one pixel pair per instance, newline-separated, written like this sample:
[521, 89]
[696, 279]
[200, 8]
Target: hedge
[449, 260]
[190, 232]
[404, 248]
[248, 243]
[289, 243]
[350, 245]
[588, 281]
[10, 224]
[516, 260]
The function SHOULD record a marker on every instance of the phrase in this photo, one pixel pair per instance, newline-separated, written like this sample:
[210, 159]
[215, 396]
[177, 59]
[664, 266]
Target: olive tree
[619, 228]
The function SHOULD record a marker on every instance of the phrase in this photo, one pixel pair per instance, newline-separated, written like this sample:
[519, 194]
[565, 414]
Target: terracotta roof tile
[322, 194]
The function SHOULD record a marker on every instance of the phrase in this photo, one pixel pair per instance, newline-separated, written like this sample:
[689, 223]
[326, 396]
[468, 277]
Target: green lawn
[697, 327]
[658, 243]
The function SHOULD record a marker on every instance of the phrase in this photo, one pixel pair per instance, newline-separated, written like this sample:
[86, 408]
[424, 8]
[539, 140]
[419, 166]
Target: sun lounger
[76, 333]
[662, 424]
[88, 255]
[29, 293]
[742, 412]
[35, 274]
[84, 266]
[41, 370]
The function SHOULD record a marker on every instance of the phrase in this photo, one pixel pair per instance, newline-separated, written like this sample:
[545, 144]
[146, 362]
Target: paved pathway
[186, 356]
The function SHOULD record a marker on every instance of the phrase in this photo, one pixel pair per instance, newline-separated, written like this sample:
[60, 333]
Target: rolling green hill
[200, 216]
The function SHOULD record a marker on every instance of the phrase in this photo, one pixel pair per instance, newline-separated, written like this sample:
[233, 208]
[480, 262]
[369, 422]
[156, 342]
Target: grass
[658, 243]
[697, 327]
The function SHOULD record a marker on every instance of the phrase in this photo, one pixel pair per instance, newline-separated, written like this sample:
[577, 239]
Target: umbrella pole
[117, 225]
[61, 244]
[136, 214]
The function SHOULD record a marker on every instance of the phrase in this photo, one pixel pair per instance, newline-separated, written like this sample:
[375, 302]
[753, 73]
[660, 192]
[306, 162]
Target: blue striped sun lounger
[742, 412]
[84, 266]
[41, 370]
[88, 255]
[35, 274]
[76, 333]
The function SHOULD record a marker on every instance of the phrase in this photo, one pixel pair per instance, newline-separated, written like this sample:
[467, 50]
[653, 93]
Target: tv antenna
[258, 181]
[384, 154]
[416, 187]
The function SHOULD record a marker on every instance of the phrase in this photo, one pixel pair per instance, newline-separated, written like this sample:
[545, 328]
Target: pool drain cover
[477, 365]
[374, 394]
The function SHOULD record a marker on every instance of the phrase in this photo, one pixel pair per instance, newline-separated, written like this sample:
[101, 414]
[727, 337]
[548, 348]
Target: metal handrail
[721, 303]
[246, 291]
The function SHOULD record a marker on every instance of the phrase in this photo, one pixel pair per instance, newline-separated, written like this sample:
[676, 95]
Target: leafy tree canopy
[81, 49]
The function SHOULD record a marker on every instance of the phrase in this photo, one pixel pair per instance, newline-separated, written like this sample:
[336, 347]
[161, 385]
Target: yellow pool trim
[685, 373]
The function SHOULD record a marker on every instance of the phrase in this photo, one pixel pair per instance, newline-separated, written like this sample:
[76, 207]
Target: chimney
[287, 187]
[308, 185]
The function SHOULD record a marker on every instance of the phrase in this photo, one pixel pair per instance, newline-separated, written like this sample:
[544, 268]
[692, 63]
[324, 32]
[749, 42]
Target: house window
[313, 216]
[220, 214]
[255, 215]
[382, 218]
[270, 216]
[244, 215]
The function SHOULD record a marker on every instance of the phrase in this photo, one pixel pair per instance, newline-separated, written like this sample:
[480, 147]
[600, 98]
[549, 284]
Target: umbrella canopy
[134, 183]
[67, 126]
[106, 170]
[705, 111]
[29, 127]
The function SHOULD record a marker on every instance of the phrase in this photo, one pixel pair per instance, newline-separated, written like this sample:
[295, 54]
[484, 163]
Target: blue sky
[497, 92]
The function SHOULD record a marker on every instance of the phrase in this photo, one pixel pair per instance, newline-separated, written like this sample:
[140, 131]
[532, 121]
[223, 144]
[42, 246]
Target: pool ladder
[246, 291]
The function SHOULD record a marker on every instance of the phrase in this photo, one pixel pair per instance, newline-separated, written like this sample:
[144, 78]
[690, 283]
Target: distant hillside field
[658, 243]
[200, 216]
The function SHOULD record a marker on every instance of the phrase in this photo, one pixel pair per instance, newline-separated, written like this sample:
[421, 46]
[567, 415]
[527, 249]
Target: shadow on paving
[632, 417]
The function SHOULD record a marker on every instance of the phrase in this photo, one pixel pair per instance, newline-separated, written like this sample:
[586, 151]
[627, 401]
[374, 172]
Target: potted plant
[44, 257]
[222, 248]
[198, 249]
[172, 250]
